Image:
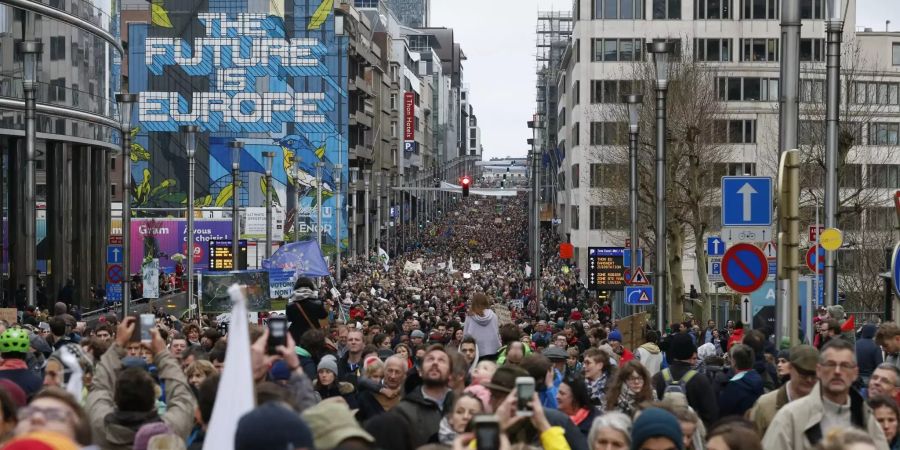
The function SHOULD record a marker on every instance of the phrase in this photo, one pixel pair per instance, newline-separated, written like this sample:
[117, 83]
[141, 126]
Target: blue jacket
[740, 393]
[868, 353]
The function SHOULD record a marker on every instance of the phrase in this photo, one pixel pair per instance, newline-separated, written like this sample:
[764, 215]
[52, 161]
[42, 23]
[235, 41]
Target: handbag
[323, 323]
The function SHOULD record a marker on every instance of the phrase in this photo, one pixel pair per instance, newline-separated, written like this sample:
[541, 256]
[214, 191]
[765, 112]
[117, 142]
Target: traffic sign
[745, 310]
[815, 259]
[113, 254]
[746, 201]
[715, 246]
[115, 240]
[114, 273]
[747, 234]
[714, 269]
[639, 295]
[831, 239]
[895, 269]
[639, 279]
[814, 231]
[770, 250]
[626, 257]
[114, 292]
[744, 268]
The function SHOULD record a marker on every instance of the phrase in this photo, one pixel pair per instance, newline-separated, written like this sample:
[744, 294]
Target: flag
[234, 397]
[527, 270]
[303, 258]
[450, 265]
[384, 258]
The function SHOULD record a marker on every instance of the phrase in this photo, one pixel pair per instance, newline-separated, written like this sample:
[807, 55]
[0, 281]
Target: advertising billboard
[164, 239]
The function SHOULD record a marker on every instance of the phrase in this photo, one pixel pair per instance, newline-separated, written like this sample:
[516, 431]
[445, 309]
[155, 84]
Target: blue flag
[303, 258]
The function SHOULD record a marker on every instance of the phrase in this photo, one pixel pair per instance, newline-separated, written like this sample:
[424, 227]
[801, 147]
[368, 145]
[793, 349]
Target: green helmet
[14, 340]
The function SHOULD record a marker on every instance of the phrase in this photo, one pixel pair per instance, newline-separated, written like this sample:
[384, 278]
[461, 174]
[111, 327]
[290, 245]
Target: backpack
[677, 389]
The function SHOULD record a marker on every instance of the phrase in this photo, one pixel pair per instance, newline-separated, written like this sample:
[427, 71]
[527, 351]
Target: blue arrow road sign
[715, 246]
[113, 254]
[626, 258]
[639, 295]
[895, 269]
[746, 201]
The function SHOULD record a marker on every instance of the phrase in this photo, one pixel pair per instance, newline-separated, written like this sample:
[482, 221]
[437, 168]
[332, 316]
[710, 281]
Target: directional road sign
[746, 201]
[895, 269]
[747, 234]
[113, 254]
[715, 246]
[714, 269]
[744, 268]
[815, 259]
[745, 310]
[639, 295]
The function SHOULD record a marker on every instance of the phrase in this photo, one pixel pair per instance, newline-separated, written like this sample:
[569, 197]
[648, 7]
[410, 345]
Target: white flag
[234, 397]
[450, 265]
[527, 270]
[384, 258]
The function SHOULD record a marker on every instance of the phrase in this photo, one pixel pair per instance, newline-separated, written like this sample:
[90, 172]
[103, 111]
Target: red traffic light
[466, 181]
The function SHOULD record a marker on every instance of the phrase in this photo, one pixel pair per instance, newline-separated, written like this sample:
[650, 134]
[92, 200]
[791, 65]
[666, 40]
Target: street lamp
[367, 174]
[236, 147]
[834, 26]
[268, 156]
[353, 172]
[661, 51]
[31, 51]
[190, 147]
[126, 103]
[295, 171]
[536, 124]
[320, 166]
[338, 168]
[634, 103]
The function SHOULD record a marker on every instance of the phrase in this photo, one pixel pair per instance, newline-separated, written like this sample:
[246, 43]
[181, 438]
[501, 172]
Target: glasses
[831, 365]
[635, 379]
[50, 414]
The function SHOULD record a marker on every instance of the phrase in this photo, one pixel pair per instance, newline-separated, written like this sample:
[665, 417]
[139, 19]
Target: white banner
[150, 275]
[255, 223]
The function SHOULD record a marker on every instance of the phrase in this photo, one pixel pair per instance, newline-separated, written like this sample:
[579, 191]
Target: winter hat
[280, 371]
[329, 363]
[16, 393]
[147, 431]
[655, 422]
[706, 350]
[417, 334]
[272, 426]
[483, 394]
[681, 347]
[615, 336]
[836, 312]
[332, 423]
[41, 440]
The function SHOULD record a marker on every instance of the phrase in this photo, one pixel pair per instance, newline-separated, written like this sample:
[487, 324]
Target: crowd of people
[436, 347]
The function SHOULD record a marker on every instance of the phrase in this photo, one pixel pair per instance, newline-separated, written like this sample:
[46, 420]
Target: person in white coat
[483, 325]
[649, 354]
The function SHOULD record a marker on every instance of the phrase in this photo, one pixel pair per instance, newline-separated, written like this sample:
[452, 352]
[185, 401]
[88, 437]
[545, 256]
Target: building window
[881, 218]
[393, 101]
[883, 176]
[57, 90]
[605, 133]
[884, 134]
[872, 93]
[812, 91]
[576, 178]
[811, 131]
[812, 9]
[57, 48]
[578, 50]
[574, 217]
[712, 9]
[759, 50]
[576, 91]
[812, 50]
[712, 50]
[394, 129]
[611, 91]
[736, 89]
[612, 50]
[617, 9]
[112, 190]
[576, 130]
[737, 131]
[667, 9]
[896, 53]
[562, 117]
[759, 9]
[112, 163]
[596, 217]
[605, 175]
[608, 218]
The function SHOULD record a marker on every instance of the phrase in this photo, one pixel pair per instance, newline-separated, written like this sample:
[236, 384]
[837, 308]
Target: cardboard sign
[9, 315]
[632, 329]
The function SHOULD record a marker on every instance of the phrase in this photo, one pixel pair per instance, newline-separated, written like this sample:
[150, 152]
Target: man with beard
[372, 404]
[424, 407]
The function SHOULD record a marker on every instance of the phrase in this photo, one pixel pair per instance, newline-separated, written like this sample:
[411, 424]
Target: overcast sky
[498, 39]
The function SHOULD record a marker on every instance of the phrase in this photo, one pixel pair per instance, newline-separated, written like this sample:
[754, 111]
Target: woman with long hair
[575, 401]
[402, 350]
[597, 372]
[630, 387]
[482, 324]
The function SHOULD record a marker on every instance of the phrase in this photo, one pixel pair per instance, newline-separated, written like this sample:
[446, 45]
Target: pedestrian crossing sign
[639, 278]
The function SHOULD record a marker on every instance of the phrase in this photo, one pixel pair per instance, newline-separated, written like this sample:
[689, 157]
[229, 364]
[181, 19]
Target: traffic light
[466, 181]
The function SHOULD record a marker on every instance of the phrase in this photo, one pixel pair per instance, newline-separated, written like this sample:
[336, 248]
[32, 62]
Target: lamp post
[351, 213]
[295, 170]
[339, 211]
[634, 103]
[31, 52]
[535, 125]
[126, 102]
[268, 156]
[365, 210]
[190, 147]
[319, 167]
[379, 223]
[834, 26]
[661, 52]
[236, 147]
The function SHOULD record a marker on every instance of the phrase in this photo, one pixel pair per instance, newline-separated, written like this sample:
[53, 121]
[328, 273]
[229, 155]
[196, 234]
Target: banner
[214, 298]
[300, 258]
[409, 116]
[162, 238]
[281, 284]
[150, 278]
[254, 223]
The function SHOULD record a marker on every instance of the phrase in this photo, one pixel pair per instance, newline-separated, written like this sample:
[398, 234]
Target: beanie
[681, 347]
[272, 426]
[147, 431]
[655, 422]
[329, 363]
[615, 336]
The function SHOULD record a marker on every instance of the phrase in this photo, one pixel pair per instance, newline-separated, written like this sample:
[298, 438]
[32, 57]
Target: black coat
[699, 391]
[314, 310]
[868, 353]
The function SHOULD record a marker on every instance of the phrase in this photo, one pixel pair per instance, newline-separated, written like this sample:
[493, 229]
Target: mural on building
[272, 75]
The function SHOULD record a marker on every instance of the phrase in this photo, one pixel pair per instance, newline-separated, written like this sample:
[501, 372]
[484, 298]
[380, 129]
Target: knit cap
[272, 426]
[329, 363]
[614, 336]
[655, 422]
[147, 431]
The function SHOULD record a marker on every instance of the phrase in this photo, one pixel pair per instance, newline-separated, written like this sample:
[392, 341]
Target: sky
[498, 38]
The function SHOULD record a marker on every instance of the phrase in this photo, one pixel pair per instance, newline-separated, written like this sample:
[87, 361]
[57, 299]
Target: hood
[651, 347]
[121, 426]
[868, 331]
[446, 435]
[484, 319]
[749, 381]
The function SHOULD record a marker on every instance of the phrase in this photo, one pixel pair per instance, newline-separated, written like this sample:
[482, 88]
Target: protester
[649, 353]
[575, 401]
[745, 387]
[656, 429]
[481, 323]
[611, 431]
[802, 370]
[458, 417]
[887, 414]
[630, 387]
[680, 378]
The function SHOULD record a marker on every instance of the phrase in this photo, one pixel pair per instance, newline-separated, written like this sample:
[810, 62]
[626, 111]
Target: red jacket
[735, 338]
[626, 356]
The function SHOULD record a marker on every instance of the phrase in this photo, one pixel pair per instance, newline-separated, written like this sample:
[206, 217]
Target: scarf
[580, 415]
[304, 293]
[597, 389]
[626, 402]
[446, 435]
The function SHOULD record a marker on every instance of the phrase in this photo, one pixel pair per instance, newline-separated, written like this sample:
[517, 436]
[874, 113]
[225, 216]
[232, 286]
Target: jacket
[114, 429]
[314, 310]
[797, 424]
[868, 353]
[650, 356]
[337, 389]
[766, 407]
[423, 415]
[699, 392]
[736, 337]
[486, 331]
[740, 393]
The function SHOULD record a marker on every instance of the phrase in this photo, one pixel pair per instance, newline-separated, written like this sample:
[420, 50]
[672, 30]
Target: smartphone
[147, 321]
[277, 334]
[524, 392]
[487, 432]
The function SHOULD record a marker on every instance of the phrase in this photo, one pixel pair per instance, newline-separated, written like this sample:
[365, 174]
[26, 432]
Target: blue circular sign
[744, 268]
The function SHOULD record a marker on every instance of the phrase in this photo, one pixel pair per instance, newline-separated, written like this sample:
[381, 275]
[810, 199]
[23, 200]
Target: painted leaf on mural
[225, 194]
[135, 131]
[320, 15]
[139, 153]
[159, 16]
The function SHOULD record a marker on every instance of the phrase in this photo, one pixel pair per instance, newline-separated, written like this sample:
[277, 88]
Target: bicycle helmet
[14, 340]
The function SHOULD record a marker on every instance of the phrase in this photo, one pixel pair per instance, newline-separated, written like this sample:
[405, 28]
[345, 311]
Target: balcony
[357, 83]
[362, 152]
[361, 118]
